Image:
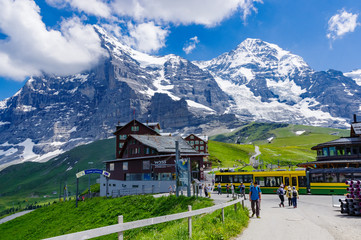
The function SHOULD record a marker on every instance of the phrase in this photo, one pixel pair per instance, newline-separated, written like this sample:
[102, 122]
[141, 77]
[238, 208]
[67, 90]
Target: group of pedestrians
[255, 197]
[291, 194]
[231, 189]
[206, 189]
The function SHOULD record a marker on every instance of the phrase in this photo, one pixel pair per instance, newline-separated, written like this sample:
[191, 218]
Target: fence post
[120, 234]
[190, 223]
[235, 207]
[222, 214]
[243, 203]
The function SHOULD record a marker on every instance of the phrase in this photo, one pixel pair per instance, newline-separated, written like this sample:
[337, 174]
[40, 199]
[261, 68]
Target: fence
[121, 227]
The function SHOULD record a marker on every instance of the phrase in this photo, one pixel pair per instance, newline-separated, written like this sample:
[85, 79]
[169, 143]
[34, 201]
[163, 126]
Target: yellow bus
[268, 181]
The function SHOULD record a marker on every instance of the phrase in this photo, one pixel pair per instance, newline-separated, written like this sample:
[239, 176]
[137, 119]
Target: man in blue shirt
[255, 198]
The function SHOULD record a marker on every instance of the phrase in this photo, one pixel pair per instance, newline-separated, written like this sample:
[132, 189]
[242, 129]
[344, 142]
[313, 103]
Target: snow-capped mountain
[271, 84]
[52, 114]
[256, 81]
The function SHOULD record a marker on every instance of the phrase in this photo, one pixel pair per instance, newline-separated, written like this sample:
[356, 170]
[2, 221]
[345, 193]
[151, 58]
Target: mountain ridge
[256, 81]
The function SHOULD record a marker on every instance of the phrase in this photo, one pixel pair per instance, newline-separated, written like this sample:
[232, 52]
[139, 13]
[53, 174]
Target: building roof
[338, 142]
[202, 137]
[331, 162]
[164, 144]
[149, 126]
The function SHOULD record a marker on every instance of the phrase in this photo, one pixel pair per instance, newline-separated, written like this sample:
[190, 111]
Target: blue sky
[55, 36]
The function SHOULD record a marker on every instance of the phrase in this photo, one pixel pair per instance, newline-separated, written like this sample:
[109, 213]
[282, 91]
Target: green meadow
[63, 218]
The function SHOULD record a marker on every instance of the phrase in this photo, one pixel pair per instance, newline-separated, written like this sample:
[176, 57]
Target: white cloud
[93, 7]
[341, 23]
[146, 37]
[191, 45]
[31, 48]
[208, 13]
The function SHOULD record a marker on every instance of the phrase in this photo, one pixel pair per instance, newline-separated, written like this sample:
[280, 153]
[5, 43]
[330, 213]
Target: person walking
[205, 190]
[242, 191]
[232, 190]
[281, 193]
[289, 195]
[209, 190]
[255, 198]
[227, 189]
[219, 189]
[294, 197]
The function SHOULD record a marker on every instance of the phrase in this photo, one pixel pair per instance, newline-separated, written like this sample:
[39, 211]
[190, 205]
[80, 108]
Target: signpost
[89, 171]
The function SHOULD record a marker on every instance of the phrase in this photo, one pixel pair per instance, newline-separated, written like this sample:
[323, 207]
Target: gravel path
[15, 215]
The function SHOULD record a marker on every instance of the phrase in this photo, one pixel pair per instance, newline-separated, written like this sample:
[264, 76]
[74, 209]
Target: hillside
[290, 144]
[62, 218]
[28, 182]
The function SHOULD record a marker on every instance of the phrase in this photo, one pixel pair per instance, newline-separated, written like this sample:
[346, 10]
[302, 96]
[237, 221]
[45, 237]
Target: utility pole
[189, 177]
[176, 167]
[90, 163]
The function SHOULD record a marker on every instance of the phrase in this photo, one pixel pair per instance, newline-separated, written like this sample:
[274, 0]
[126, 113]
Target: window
[135, 128]
[201, 147]
[134, 176]
[319, 152]
[356, 176]
[123, 137]
[348, 151]
[302, 181]
[261, 181]
[344, 176]
[294, 181]
[269, 181]
[125, 166]
[317, 177]
[340, 151]
[147, 150]
[192, 137]
[201, 142]
[121, 145]
[287, 181]
[197, 148]
[192, 142]
[325, 151]
[237, 179]
[146, 177]
[146, 165]
[247, 178]
[330, 177]
[111, 167]
[332, 151]
[196, 142]
[354, 151]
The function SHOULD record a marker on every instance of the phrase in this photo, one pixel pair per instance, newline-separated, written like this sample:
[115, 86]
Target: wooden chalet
[199, 143]
[136, 128]
[152, 158]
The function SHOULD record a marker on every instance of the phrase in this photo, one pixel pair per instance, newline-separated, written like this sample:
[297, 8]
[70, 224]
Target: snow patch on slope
[355, 75]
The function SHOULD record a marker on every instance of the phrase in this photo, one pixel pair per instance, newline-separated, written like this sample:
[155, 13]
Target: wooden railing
[121, 227]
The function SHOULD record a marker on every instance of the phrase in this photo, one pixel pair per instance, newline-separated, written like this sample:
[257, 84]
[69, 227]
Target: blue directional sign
[91, 171]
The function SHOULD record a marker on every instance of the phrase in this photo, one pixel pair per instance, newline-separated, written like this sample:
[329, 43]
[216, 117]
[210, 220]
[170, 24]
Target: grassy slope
[286, 146]
[31, 180]
[62, 218]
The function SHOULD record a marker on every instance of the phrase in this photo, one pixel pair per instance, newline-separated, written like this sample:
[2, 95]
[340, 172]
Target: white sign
[160, 163]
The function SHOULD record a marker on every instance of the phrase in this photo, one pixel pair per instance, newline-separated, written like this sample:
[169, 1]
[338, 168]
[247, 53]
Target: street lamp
[90, 163]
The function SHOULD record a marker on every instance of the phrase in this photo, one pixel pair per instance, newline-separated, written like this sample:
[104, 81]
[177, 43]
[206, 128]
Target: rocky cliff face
[256, 81]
